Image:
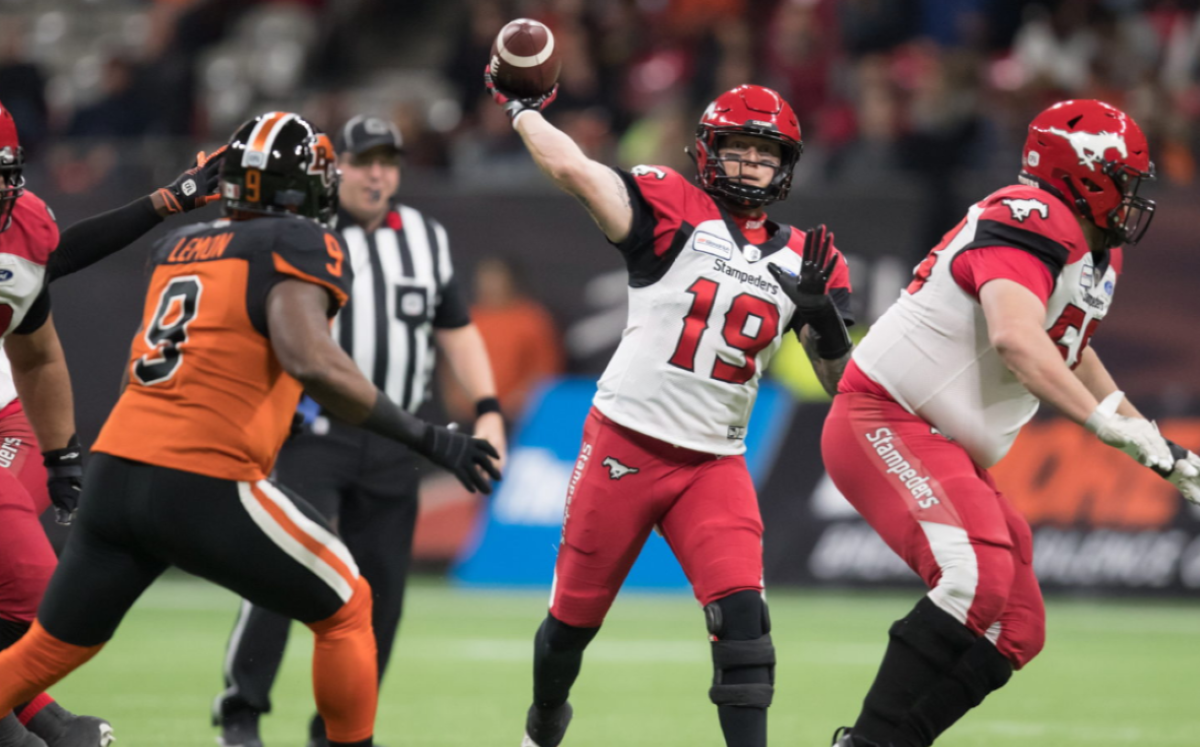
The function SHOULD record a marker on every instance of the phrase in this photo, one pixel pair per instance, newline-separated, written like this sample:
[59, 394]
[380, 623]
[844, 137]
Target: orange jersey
[206, 393]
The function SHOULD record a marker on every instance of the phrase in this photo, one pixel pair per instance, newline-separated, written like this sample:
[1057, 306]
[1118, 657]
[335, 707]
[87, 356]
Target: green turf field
[1114, 673]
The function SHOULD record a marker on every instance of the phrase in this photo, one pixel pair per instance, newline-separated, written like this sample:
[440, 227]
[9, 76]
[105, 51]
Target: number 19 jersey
[205, 392]
[705, 316]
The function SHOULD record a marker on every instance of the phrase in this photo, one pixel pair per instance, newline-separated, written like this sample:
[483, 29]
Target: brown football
[525, 63]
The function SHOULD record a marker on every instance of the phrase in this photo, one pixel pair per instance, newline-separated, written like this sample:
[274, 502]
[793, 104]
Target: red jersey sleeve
[1032, 221]
[33, 234]
[974, 268]
[666, 210]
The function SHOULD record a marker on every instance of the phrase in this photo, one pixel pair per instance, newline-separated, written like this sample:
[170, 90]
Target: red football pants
[624, 485]
[943, 515]
[26, 558]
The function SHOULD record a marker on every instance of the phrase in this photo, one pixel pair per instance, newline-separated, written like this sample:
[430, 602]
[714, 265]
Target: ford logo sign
[6, 275]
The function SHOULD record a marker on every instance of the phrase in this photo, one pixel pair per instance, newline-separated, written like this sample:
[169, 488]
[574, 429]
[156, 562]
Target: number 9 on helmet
[280, 162]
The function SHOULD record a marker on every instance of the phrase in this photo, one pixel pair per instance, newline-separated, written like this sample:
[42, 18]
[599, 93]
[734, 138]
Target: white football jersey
[931, 349]
[24, 250]
[705, 316]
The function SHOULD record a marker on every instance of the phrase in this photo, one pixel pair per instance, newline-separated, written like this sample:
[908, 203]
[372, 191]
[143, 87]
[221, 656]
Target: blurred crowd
[880, 86]
[932, 86]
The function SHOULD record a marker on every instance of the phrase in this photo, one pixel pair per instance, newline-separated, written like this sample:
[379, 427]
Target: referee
[405, 305]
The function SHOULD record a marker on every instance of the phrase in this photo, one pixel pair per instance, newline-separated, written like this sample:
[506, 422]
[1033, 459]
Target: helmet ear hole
[1092, 186]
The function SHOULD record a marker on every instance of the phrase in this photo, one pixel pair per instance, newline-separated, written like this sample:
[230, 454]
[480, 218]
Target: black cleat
[13, 734]
[239, 730]
[545, 727]
[843, 737]
[61, 728]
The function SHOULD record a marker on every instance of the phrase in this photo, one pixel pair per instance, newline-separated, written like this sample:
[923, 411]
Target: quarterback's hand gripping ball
[522, 74]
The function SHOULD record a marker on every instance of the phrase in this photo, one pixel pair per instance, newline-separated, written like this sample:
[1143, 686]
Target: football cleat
[238, 730]
[13, 734]
[844, 737]
[546, 727]
[61, 728]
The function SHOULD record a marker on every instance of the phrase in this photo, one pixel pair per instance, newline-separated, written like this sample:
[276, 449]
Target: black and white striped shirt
[404, 288]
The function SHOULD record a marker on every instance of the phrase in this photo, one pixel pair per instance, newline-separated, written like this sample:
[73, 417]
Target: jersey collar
[779, 235]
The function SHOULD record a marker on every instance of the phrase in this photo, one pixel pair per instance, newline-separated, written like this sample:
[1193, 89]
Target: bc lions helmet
[747, 110]
[12, 164]
[1093, 156]
[280, 163]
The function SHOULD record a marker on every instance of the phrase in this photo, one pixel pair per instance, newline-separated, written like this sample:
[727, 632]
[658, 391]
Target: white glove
[1185, 475]
[1137, 437]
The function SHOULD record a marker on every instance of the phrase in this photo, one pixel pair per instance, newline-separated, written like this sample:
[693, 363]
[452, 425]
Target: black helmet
[280, 162]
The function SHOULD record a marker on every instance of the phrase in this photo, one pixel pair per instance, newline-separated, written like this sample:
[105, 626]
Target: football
[524, 60]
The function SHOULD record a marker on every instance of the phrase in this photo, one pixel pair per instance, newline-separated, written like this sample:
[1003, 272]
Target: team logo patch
[1091, 146]
[644, 170]
[616, 470]
[708, 243]
[751, 252]
[1023, 208]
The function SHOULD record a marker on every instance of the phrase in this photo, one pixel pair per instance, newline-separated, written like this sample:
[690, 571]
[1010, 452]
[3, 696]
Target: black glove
[462, 455]
[814, 307]
[195, 187]
[513, 105]
[64, 479]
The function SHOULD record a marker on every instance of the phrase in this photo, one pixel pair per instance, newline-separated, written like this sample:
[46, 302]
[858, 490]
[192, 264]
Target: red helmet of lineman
[1093, 156]
[753, 111]
[12, 162]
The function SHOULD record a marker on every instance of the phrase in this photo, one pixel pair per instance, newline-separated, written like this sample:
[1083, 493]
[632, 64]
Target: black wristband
[485, 405]
[829, 331]
[389, 420]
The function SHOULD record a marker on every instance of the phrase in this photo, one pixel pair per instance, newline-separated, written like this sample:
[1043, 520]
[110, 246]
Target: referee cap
[364, 132]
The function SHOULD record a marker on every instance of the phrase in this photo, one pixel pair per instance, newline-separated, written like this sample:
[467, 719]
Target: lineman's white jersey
[705, 316]
[931, 350]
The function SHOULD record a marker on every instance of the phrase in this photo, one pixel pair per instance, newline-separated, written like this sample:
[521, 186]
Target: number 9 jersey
[205, 392]
[705, 316]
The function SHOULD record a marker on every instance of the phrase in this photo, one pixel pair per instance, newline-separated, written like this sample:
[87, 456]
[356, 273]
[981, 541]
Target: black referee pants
[366, 486]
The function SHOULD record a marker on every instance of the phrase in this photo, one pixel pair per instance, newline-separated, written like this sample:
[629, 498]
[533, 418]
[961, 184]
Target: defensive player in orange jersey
[41, 461]
[236, 324]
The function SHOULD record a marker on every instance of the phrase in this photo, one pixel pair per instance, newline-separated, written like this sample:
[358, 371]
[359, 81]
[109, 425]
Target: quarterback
[713, 287]
[998, 318]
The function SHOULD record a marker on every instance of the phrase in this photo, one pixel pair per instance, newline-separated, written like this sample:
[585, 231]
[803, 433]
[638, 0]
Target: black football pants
[366, 486]
[136, 519]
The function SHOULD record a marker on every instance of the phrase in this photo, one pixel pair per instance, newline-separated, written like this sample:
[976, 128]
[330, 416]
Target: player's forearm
[555, 153]
[1037, 364]
[828, 370]
[43, 385]
[92, 239]
[467, 356]
[1095, 376]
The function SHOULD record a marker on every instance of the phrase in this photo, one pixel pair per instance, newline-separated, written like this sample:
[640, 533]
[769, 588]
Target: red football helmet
[1093, 156]
[747, 110]
[12, 163]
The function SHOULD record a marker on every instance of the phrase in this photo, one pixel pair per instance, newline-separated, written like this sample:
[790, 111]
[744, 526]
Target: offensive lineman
[235, 325]
[33, 254]
[997, 317]
[713, 286]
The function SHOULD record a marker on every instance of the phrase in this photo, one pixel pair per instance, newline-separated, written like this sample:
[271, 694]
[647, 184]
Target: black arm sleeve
[452, 310]
[92, 239]
[37, 315]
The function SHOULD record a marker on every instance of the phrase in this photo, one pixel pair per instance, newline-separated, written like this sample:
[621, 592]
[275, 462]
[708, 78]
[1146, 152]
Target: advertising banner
[517, 540]
[1100, 521]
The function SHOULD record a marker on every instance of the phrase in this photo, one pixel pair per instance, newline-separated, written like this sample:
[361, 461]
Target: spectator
[519, 333]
